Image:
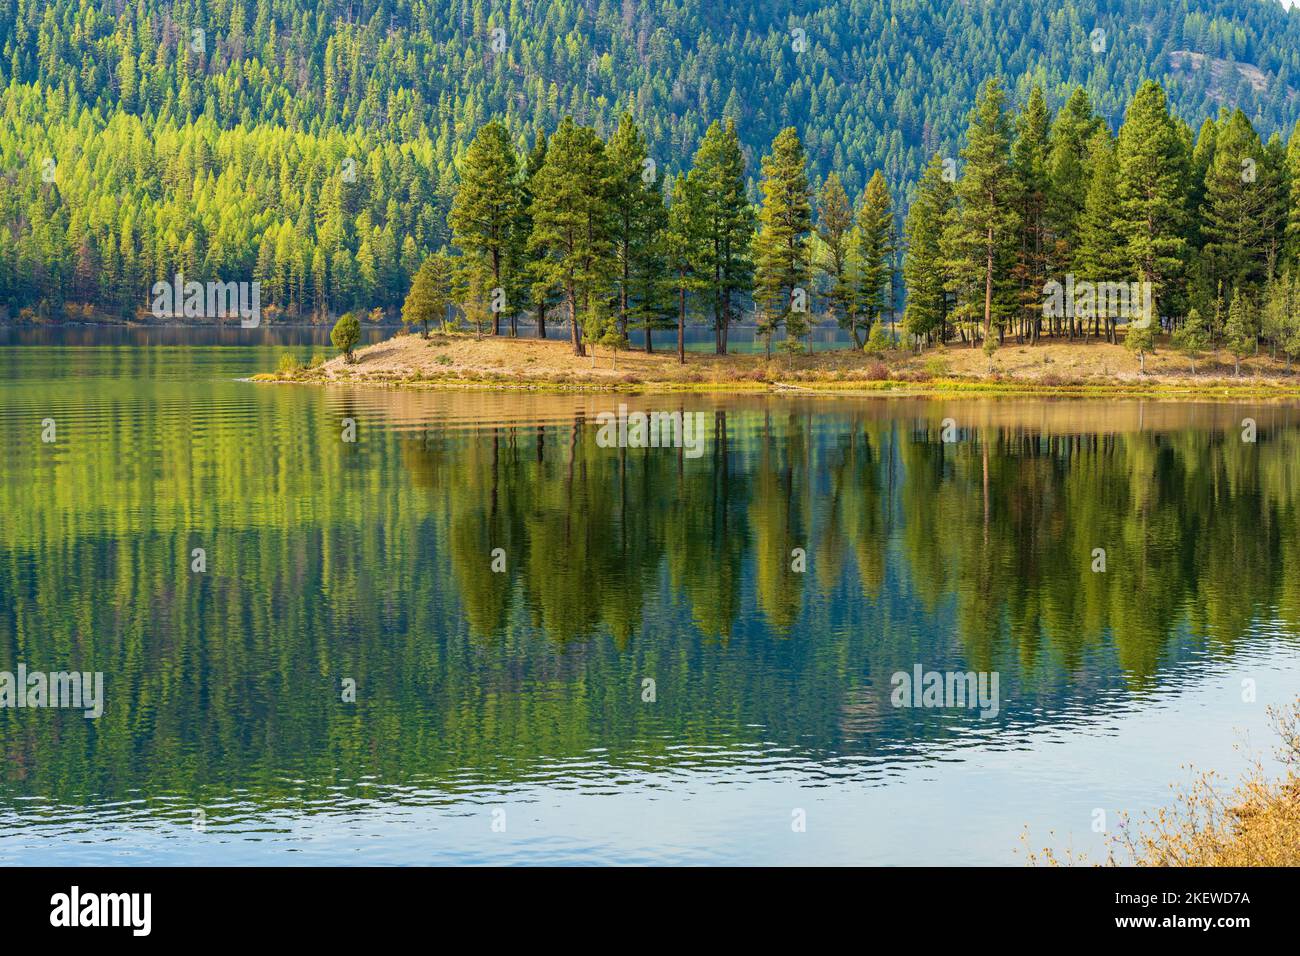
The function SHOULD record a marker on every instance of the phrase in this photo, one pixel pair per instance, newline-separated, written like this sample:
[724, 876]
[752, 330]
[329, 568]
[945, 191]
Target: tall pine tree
[485, 216]
[781, 249]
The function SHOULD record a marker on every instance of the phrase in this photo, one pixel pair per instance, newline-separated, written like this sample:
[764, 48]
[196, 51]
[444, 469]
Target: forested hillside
[315, 145]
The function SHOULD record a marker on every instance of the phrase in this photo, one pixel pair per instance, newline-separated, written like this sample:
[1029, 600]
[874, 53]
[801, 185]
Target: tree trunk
[541, 320]
[575, 336]
[681, 326]
[496, 277]
[718, 325]
[988, 284]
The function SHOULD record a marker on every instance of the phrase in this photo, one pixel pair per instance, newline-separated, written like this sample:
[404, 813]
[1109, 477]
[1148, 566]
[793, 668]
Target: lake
[366, 626]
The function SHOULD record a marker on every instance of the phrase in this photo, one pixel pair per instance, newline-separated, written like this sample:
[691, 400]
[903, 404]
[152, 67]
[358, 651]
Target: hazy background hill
[209, 132]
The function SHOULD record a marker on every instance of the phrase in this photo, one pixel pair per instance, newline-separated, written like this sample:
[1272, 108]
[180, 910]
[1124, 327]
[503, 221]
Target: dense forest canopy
[317, 145]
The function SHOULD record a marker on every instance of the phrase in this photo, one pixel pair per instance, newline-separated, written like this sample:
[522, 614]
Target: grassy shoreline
[1213, 821]
[1053, 369]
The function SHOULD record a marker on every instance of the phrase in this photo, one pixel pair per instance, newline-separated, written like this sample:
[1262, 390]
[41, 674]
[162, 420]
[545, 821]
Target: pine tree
[1239, 333]
[485, 213]
[1067, 174]
[1101, 254]
[834, 227]
[781, 249]
[1292, 255]
[875, 250]
[1030, 164]
[651, 300]
[1192, 337]
[1152, 170]
[631, 203]
[924, 273]
[1238, 194]
[982, 242]
[430, 293]
[1140, 338]
[685, 251]
[346, 334]
[1291, 319]
[718, 178]
[538, 292]
[572, 225]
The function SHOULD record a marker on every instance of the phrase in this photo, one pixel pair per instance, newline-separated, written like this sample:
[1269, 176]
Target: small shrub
[346, 334]
[879, 341]
[936, 367]
[289, 365]
[909, 375]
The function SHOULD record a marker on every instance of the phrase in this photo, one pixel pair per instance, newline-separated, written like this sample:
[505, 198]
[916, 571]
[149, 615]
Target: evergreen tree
[485, 216]
[924, 273]
[632, 203]
[346, 334]
[1101, 254]
[875, 250]
[1192, 337]
[1239, 333]
[536, 291]
[572, 237]
[652, 300]
[1238, 186]
[1292, 227]
[781, 249]
[1030, 165]
[983, 235]
[834, 228]
[686, 251]
[1140, 338]
[1152, 172]
[1067, 173]
[430, 293]
[718, 179]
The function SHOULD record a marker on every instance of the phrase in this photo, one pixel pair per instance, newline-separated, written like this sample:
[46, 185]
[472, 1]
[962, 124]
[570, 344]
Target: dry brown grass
[1255, 823]
[461, 359]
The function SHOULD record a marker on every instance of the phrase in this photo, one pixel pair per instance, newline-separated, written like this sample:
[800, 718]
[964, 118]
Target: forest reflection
[374, 562]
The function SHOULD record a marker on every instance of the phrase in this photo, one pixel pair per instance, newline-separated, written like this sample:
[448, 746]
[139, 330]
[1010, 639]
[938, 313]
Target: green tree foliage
[1100, 253]
[572, 241]
[686, 256]
[346, 334]
[430, 295]
[1069, 146]
[639, 219]
[781, 248]
[1240, 334]
[924, 271]
[875, 251]
[1239, 222]
[982, 236]
[485, 218]
[718, 180]
[536, 292]
[1140, 338]
[834, 249]
[1030, 166]
[304, 144]
[1153, 165]
[1192, 337]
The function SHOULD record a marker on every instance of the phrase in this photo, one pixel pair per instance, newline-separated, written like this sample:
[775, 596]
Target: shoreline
[459, 361]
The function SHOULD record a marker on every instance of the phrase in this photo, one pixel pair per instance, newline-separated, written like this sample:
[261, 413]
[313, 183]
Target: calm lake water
[519, 698]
